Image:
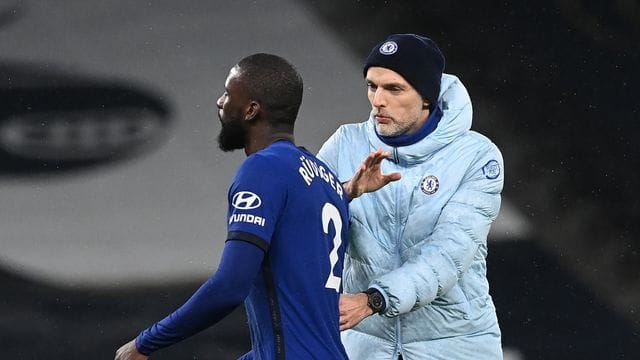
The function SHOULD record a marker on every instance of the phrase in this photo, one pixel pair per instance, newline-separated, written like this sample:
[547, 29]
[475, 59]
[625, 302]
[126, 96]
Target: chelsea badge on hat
[429, 185]
[388, 48]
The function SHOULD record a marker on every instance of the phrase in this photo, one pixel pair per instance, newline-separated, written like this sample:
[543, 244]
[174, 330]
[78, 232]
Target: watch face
[375, 301]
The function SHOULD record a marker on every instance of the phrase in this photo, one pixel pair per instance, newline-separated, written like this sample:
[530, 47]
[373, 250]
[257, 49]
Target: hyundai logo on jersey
[246, 200]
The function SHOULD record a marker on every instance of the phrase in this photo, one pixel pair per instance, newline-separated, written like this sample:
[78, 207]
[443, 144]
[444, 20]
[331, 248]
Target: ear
[425, 105]
[252, 111]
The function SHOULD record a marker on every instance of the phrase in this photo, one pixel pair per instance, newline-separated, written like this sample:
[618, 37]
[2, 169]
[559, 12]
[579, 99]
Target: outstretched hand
[368, 177]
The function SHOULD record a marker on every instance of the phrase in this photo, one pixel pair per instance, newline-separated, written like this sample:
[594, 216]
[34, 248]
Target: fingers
[391, 177]
[353, 309]
[374, 160]
[349, 320]
[383, 154]
[368, 177]
[345, 327]
[359, 172]
[375, 157]
[346, 323]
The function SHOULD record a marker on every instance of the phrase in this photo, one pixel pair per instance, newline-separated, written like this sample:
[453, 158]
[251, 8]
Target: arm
[446, 255]
[368, 177]
[215, 299]
[449, 251]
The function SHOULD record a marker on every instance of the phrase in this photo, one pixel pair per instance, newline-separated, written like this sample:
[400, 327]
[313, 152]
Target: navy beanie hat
[417, 58]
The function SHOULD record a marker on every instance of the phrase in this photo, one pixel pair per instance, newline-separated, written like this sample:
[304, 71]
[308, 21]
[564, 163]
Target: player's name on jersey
[310, 170]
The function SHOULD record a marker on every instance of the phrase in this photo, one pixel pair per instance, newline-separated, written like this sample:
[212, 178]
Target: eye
[372, 87]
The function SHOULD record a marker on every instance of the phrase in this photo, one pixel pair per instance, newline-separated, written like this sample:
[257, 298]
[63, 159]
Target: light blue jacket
[422, 240]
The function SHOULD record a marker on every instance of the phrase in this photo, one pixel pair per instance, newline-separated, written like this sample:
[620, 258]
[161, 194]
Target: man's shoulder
[352, 131]
[479, 141]
[279, 161]
[355, 126]
[268, 163]
[482, 148]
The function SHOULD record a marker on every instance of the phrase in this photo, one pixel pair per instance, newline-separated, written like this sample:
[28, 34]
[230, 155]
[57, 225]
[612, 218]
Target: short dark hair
[274, 83]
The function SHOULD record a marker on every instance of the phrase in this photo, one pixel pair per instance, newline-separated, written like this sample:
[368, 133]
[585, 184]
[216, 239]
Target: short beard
[393, 129]
[232, 136]
[390, 130]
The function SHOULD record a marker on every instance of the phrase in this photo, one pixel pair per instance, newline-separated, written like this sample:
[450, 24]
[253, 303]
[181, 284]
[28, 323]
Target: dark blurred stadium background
[553, 84]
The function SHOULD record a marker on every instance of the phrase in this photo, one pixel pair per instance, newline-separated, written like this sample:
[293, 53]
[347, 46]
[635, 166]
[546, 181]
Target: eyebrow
[387, 85]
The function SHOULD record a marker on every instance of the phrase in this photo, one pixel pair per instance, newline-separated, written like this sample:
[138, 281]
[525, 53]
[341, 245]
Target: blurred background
[113, 191]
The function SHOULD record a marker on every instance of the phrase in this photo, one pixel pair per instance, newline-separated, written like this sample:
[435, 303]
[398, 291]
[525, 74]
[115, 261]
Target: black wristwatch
[376, 300]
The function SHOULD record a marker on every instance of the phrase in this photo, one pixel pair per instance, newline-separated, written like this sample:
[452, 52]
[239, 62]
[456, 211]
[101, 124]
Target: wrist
[348, 189]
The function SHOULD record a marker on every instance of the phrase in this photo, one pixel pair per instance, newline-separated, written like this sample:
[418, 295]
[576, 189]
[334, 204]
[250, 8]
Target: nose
[220, 102]
[377, 98]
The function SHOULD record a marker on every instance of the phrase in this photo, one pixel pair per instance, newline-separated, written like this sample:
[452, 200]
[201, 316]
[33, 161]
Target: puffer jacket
[422, 240]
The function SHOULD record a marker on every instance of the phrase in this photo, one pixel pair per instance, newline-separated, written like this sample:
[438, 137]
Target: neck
[257, 142]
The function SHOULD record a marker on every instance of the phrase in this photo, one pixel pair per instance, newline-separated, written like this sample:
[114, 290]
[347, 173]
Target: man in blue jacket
[418, 246]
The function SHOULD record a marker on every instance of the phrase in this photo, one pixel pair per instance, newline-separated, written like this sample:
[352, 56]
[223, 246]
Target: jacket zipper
[398, 259]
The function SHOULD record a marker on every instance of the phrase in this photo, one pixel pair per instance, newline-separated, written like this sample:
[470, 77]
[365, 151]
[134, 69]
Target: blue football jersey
[287, 202]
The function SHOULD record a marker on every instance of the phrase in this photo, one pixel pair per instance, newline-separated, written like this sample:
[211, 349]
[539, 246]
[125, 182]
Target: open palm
[369, 177]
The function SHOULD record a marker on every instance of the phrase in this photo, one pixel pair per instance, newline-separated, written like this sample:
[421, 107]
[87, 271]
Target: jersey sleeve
[215, 299]
[257, 198]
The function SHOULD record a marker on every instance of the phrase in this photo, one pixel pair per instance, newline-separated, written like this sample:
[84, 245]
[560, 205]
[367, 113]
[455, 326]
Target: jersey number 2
[330, 214]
